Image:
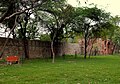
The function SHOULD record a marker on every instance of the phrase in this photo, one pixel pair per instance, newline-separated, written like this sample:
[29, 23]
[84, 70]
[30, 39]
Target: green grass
[96, 70]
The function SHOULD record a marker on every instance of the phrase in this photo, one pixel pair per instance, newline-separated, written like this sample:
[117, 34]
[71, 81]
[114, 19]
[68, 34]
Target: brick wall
[36, 48]
[41, 49]
[72, 48]
[12, 47]
[102, 47]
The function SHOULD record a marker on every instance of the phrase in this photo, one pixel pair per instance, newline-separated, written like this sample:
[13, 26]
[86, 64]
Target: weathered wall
[13, 47]
[100, 46]
[71, 48]
[36, 48]
[41, 49]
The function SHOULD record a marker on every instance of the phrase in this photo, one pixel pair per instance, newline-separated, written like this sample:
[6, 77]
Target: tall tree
[90, 21]
[56, 16]
[12, 9]
[114, 33]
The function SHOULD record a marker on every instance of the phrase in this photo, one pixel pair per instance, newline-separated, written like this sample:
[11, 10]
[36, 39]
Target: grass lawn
[96, 70]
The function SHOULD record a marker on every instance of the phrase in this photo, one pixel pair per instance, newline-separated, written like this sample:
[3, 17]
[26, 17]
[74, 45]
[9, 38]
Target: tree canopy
[58, 19]
[91, 22]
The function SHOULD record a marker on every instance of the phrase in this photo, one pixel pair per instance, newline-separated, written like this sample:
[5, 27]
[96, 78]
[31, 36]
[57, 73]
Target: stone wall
[36, 48]
[41, 49]
[13, 47]
[72, 48]
[99, 46]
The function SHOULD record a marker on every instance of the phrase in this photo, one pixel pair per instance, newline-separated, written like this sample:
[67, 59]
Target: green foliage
[114, 34]
[91, 23]
[56, 16]
[31, 30]
[98, 69]
[45, 37]
[96, 19]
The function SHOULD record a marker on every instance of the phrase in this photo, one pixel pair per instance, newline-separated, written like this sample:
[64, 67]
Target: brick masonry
[41, 49]
[100, 46]
[36, 48]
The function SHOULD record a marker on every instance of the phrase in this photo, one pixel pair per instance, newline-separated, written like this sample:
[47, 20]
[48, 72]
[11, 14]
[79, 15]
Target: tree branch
[2, 51]
[18, 13]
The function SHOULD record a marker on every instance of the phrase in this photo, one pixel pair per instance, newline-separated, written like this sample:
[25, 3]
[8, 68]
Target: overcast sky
[112, 6]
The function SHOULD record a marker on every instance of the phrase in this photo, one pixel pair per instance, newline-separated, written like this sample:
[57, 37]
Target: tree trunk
[113, 49]
[25, 42]
[85, 52]
[2, 51]
[86, 39]
[53, 53]
[91, 47]
[11, 25]
[11, 21]
[25, 48]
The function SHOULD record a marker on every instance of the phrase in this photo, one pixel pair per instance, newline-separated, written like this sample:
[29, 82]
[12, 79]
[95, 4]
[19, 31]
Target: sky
[112, 6]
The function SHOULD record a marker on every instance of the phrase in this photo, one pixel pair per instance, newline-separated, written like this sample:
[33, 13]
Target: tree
[90, 22]
[12, 9]
[114, 33]
[56, 16]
